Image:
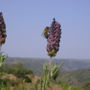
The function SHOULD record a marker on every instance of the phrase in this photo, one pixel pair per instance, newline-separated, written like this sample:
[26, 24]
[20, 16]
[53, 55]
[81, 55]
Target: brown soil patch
[9, 77]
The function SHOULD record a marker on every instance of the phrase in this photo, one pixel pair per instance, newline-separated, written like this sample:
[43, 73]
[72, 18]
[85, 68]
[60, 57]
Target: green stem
[0, 55]
[50, 61]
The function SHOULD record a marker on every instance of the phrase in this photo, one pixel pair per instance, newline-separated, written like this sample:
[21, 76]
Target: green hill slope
[76, 78]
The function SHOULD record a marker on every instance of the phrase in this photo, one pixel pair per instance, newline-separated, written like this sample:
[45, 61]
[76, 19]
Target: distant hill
[37, 64]
[78, 78]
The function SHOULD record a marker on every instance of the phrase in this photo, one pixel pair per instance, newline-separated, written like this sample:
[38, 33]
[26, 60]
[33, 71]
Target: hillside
[77, 77]
[32, 63]
[16, 76]
[73, 72]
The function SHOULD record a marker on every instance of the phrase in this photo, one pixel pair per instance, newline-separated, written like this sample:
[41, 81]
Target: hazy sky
[26, 19]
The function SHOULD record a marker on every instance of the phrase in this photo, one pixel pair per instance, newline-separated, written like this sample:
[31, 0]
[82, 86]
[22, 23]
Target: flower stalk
[51, 71]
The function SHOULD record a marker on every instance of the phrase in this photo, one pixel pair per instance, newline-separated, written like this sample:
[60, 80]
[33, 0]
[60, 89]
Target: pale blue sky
[26, 19]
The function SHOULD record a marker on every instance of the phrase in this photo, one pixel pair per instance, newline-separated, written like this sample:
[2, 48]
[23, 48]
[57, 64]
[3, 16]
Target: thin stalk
[0, 54]
[50, 61]
[0, 48]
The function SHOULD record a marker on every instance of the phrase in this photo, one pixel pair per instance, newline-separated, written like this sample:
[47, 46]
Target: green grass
[69, 87]
[24, 87]
[30, 87]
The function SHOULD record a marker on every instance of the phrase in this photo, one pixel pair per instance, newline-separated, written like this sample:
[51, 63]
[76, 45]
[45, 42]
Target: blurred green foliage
[87, 86]
[17, 69]
[2, 58]
[14, 74]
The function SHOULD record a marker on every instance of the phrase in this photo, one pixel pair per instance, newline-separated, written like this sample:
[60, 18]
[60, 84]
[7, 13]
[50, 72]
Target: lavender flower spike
[54, 38]
[2, 30]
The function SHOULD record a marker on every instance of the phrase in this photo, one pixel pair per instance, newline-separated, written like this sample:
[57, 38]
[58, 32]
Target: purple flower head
[54, 36]
[2, 29]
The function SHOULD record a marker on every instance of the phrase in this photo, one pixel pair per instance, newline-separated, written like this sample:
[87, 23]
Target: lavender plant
[51, 71]
[2, 37]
